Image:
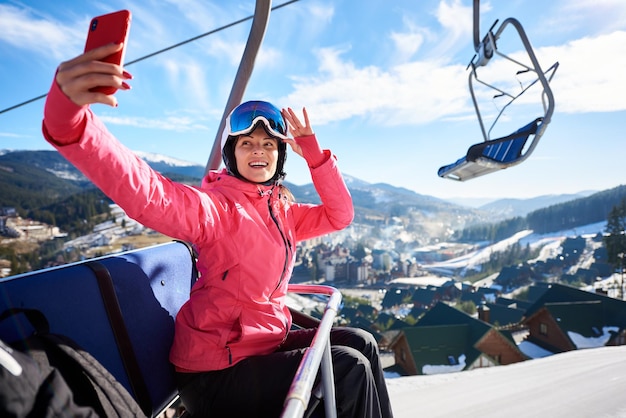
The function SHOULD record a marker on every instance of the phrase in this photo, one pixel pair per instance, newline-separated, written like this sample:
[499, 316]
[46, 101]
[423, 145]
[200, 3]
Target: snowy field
[549, 243]
[581, 383]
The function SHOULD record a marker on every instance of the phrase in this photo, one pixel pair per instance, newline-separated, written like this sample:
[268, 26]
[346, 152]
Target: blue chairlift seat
[489, 156]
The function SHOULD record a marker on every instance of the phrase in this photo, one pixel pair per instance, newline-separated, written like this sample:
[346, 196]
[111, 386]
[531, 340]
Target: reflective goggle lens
[245, 116]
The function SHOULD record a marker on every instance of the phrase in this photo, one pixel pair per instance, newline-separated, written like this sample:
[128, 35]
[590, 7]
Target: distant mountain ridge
[522, 207]
[164, 164]
[41, 177]
[381, 192]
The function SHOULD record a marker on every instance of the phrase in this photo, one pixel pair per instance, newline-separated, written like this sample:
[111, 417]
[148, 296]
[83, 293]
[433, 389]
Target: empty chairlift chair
[495, 154]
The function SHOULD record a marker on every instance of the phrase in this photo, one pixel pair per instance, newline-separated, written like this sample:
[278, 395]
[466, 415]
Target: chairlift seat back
[151, 285]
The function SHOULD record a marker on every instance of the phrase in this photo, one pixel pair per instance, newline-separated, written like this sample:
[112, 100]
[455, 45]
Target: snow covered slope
[581, 383]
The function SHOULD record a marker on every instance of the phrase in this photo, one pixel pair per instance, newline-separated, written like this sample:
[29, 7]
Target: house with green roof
[396, 296]
[499, 315]
[448, 340]
[425, 297]
[565, 318]
[513, 303]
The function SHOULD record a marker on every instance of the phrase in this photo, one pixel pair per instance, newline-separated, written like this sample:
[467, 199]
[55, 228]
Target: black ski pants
[257, 386]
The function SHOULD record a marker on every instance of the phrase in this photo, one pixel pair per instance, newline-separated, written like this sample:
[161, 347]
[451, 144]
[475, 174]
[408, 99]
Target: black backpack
[49, 375]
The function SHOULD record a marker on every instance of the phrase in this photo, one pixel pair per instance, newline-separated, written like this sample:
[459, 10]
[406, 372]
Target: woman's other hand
[297, 128]
[304, 143]
[295, 125]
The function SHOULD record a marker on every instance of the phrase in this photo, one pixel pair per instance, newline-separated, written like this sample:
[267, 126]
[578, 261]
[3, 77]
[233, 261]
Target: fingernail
[125, 86]
[127, 75]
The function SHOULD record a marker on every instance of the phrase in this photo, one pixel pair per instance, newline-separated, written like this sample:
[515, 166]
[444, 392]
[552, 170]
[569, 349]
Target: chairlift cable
[195, 38]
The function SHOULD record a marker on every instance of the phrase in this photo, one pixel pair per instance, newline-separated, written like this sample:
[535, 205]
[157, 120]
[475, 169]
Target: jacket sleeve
[336, 210]
[143, 193]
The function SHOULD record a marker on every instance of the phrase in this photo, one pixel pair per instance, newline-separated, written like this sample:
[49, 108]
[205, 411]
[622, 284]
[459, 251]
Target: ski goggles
[243, 119]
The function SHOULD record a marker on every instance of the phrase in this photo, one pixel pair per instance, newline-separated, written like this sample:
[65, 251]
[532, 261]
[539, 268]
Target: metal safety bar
[317, 357]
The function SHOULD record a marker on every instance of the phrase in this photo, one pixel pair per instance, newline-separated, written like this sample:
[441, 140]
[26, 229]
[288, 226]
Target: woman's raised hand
[297, 128]
[77, 76]
[304, 143]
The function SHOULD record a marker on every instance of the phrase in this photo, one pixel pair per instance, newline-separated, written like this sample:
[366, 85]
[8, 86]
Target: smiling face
[256, 155]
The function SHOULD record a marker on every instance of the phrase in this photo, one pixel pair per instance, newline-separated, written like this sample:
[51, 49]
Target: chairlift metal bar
[328, 381]
[549, 73]
[547, 95]
[476, 25]
[255, 39]
[318, 354]
[545, 105]
[484, 50]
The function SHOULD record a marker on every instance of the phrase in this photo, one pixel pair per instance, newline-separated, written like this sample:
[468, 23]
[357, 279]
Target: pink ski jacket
[245, 235]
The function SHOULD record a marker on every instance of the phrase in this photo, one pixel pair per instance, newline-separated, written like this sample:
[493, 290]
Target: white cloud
[457, 26]
[188, 78]
[416, 92]
[168, 123]
[321, 14]
[407, 43]
[604, 16]
[10, 135]
[200, 14]
[590, 77]
[24, 31]
[232, 51]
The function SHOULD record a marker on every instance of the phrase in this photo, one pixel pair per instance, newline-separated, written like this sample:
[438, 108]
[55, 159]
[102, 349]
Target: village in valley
[426, 316]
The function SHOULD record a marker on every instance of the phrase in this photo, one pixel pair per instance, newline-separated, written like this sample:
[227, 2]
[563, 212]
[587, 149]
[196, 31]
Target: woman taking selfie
[234, 351]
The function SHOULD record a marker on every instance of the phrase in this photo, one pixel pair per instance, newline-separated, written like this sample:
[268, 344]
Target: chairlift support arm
[246, 65]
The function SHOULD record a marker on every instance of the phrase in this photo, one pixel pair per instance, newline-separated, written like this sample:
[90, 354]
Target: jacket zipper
[285, 242]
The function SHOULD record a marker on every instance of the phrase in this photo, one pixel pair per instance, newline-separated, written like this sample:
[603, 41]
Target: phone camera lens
[94, 24]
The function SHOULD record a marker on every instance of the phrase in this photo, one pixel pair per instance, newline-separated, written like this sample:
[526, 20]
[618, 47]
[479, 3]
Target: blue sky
[385, 83]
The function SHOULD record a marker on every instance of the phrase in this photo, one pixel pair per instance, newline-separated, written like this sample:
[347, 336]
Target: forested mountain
[27, 180]
[563, 216]
[510, 208]
[569, 215]
[75, 214]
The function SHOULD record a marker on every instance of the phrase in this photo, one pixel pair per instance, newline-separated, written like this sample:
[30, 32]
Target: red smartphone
[106, 29]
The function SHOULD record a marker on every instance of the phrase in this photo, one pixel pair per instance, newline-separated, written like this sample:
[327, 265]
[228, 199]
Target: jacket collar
[221, 178]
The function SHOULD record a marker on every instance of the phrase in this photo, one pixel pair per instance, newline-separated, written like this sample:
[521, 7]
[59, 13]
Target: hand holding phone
[109, 28]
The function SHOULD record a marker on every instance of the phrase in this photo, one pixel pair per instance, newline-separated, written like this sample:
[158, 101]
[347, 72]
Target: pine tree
[615, 238]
